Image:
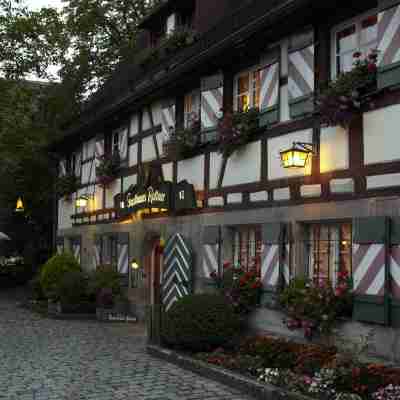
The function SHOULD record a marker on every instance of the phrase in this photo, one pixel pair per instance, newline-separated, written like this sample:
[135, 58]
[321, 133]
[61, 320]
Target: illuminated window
[360, 34]
[248, 90]
[192, 108]
[329, 251]
[247, 248]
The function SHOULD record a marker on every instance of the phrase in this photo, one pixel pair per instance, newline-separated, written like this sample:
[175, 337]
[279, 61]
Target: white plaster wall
[96, 203]
[192, 170]
[381, 135]
[129, 181]
[277, 144]
[156, 109]
[244, 165]
[284, 103]
[134, 125]
[65, 210]
[88, 168]
[146, 124]
[159, 139]
[112, 190]
[383, 181]
[215, 169]
[133, 154]
[334, 149]
[168, 171]
[148, 150]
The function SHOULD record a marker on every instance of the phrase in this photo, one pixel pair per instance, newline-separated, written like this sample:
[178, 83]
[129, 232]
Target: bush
[105, 277]
[73, 288]
[200, 322]
[53, 271]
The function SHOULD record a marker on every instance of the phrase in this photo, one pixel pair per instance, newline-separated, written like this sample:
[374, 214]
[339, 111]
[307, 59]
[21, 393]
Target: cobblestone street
[44, 359]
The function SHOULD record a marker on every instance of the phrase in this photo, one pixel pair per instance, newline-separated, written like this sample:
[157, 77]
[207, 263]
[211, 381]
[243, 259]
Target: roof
[130, 84]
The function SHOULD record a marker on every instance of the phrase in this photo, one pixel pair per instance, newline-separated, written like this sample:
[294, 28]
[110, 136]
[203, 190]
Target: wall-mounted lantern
[297, 156]
[82, 201]
[135, 265]
[20, 205]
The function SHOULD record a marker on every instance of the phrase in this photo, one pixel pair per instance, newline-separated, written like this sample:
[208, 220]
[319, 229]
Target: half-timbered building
[339, 212]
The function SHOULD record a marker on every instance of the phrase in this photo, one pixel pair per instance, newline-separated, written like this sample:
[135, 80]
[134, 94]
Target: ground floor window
[329, 250]
[247, 248]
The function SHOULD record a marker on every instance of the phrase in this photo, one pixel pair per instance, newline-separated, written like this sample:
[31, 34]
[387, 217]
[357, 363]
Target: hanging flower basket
[107, 169]
[343, 99]
[66, 185]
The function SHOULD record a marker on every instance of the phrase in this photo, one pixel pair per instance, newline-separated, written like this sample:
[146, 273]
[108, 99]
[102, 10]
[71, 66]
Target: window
[109, 250]
[360, 34]
[329, 251]
[247, 248]
[192, 108]
[247, 90]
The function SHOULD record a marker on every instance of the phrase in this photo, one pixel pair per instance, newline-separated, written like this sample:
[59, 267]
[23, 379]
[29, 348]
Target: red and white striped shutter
[301, 80]
[63, 167]
[269, 86]
[389, 34]
[123, 144]
[97, 252]
[212, 93]
[211, 251]
[168, 117]
[270, 265]
[76, 249]
[123, 253]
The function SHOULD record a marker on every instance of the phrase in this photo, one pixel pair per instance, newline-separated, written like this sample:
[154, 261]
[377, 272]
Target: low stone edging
[239, 382]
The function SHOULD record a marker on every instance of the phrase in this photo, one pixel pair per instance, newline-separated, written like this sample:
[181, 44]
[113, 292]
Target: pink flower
[372, 67]
[357, 54]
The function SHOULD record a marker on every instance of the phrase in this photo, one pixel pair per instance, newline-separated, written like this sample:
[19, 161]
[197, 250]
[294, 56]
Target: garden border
[239, 382]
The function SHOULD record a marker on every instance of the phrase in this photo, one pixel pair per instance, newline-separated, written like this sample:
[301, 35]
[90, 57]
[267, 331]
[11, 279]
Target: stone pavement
[44, 359]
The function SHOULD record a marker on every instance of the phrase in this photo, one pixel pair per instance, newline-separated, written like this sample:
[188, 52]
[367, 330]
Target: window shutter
[60, 245]
[389, 43]
[63, 167]
[212, 93]
[168, 117]
[369, 269]
[76, 248]
[123, 145]
[99, 149]
[275, 257]
[301, 75]
[97, 252]
[395, 272]
[269, 87]
[123, 253]
[211, 250]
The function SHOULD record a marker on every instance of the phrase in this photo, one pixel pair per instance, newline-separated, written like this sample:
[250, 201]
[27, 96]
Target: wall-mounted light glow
[20, 205]
[297, 156]
[134, 264]
[82, 201]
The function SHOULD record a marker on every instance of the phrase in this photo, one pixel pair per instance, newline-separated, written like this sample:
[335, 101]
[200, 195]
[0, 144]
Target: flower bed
[311, 370]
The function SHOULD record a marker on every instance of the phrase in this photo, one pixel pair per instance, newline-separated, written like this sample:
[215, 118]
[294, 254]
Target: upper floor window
[359, 34]
[247, 90]
[192, 108]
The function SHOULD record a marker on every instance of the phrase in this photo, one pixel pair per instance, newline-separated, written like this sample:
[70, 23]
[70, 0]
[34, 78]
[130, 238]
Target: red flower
[372, 67]
[357, 54]
[213, 274]
[227, 264]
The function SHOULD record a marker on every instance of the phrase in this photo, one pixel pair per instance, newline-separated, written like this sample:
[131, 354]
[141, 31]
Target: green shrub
[105, 277]
[200, 322]
[53, 271]
[73, 288]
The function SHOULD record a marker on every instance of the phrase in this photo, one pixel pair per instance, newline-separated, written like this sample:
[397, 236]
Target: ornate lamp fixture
[297, 156]
[134, 264]
[20, 205]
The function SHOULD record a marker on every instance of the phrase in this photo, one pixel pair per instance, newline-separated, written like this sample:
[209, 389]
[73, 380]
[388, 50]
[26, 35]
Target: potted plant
[66, 185]
[181, 142]
[180, 38]
[342, 100]
[235, 130]
[107, 169]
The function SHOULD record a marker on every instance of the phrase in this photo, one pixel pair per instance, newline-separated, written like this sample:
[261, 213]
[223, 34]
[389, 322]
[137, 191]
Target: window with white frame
[357, 35]
[330, 251]
[191, 108]
[246, 249]
[247, 90]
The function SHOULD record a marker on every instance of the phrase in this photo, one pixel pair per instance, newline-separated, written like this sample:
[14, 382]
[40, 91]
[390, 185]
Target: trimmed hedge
[200, 322]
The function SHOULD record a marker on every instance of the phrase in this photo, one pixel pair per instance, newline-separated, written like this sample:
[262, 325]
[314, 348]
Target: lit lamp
[162, 242]
[20, 205]
[134, 264]
[297, 156]
[82, 201]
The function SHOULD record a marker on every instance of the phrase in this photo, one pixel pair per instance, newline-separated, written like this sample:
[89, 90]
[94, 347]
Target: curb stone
[241, 383]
